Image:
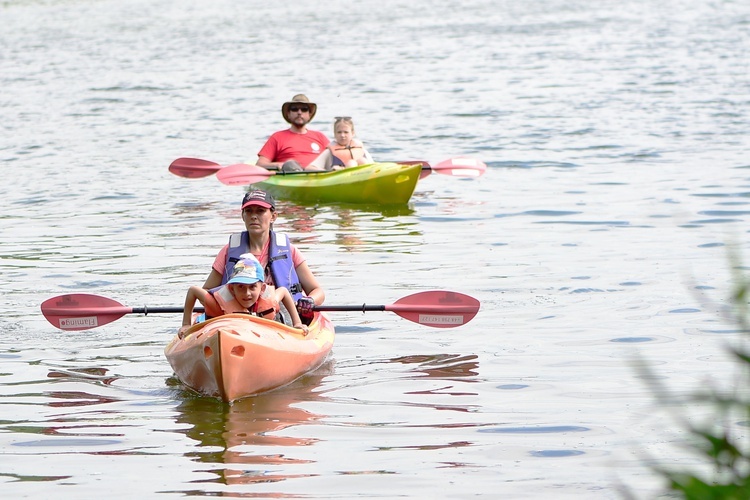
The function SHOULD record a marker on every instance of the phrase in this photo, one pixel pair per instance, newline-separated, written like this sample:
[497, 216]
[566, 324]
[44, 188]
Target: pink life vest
[265, 306]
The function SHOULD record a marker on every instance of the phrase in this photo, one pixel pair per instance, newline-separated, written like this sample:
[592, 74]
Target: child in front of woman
[344, 151]
[245, 292]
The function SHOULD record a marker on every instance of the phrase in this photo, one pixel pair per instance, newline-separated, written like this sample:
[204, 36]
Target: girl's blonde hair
[343, 119]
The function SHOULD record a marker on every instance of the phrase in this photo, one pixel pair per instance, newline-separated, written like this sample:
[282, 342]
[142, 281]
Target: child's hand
[182, 330]
[303, 327]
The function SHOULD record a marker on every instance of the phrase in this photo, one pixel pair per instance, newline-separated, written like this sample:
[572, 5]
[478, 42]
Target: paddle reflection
[451, 367]
[444, 366]
[94, 374]
[247, 432]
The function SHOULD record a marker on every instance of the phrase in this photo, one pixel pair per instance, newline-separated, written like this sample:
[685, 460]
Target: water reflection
[245, 436]
[451, 367]
[444, 366]
[383, 210]
[362, 228]
[95, 374]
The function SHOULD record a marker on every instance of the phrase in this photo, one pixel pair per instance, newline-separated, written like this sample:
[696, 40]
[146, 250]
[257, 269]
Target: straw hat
[298, 99]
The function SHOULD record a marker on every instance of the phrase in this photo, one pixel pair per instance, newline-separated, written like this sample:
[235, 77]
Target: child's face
[343, 133]
[246, 295]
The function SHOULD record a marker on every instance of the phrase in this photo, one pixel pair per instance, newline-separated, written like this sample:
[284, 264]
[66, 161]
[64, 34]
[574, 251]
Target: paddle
[459, 167]
[193, 168]
[439, 308]
[83, 311]
[243, 174]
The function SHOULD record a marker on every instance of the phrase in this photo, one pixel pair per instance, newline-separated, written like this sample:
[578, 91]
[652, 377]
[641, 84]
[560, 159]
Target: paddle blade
[82, 311]
[193, 168]
[242, 175]
[460, 167]
[437, 308]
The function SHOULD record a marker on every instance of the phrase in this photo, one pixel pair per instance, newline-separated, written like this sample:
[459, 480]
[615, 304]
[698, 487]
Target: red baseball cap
[260, 198]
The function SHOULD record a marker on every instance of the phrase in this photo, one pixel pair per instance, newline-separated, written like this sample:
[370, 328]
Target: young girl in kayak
[245, 292]
[345, 151]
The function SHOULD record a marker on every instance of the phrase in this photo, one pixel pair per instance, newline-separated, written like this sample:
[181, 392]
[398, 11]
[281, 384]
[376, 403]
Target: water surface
[616, 140]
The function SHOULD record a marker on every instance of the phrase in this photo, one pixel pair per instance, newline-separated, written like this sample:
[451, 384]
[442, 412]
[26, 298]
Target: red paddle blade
[242, 175]
[461, 167]
[193, 168]
[82, 311]
[437, 308]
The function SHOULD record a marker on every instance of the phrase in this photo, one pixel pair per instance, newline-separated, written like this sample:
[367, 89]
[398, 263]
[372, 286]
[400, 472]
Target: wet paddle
[438, 308]
[83, 311]
[243, 174]
[459, 167]
[193, 168]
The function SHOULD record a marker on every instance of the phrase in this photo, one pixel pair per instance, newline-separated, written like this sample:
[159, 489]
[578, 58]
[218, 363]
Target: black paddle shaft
[156, 310]
[363, 308]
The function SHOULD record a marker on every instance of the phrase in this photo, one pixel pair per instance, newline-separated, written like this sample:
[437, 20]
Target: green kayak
[377, 183]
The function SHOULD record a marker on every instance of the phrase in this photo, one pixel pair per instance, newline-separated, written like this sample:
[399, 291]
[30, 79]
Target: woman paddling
[284, 265]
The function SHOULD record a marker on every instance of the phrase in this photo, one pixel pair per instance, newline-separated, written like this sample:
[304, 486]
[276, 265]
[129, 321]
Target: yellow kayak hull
[374, 184]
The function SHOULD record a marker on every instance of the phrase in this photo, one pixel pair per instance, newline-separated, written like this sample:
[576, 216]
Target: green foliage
[717, 442]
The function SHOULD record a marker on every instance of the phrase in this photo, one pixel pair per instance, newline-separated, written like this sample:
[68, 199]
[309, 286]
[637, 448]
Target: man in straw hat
[295, 148]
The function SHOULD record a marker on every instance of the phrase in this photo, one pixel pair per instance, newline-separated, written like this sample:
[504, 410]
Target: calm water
[616, 138]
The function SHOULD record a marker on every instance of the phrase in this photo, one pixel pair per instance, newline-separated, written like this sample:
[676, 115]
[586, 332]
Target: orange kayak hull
[237, 355]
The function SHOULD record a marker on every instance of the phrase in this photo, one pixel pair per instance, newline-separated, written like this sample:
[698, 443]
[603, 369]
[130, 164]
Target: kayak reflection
[246, 433]
[366, 228]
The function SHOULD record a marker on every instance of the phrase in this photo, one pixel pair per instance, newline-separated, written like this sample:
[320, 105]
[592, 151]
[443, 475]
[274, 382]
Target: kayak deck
[377, 183]
[238, 355]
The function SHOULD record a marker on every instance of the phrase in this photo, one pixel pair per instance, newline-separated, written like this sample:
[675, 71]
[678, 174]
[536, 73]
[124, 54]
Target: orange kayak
[237, 355]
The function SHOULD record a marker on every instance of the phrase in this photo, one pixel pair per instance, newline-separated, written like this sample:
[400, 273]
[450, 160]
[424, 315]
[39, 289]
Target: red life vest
[354, 151]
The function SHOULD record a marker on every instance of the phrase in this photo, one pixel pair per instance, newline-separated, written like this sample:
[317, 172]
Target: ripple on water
[704, 331]
[552, 429]
[556, 453]
[68, 443]
[656, 339]
[633, 340]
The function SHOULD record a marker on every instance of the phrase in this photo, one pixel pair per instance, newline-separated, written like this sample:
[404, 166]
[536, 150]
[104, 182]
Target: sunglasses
[294, 109]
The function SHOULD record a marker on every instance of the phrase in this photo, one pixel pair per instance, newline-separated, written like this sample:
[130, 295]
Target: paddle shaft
[158, 310]
[362, 308]
[243, 174]
[424, 308]
[425, 167]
